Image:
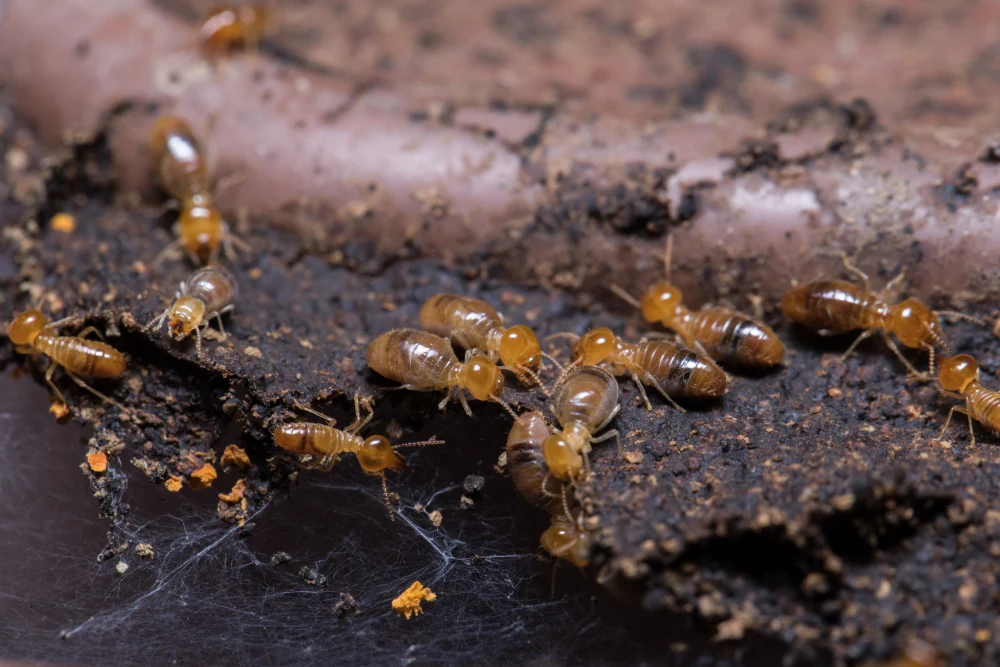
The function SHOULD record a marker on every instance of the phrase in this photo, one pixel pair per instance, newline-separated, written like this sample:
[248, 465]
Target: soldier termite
[725, 335]
[320, 445]
[209, 292]
[423, 361]
[31, 332]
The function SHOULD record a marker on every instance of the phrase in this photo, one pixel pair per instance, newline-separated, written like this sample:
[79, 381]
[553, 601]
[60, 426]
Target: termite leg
[614, 413]
[359, 422]
[464, 402]
[330, 421]
[968, 413]
[607, 436]
[93, 391]
[48, 379]
[857, 341]
[642, 390]
[892, 346]
[662, 391]
[855, 270]
[90, 330]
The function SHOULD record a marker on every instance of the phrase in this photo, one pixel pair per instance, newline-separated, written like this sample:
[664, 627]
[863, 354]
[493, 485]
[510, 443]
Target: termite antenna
[530, 373]
[625, 296]
[961, 316]
[553, 360]
[563, 334]
[385, 492]
[668, 253]
[505, 406]
[157, 320]
[423, 443]
[562, 376]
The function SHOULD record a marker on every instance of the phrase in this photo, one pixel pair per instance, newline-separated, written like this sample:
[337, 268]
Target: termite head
[201, 228]
[562, 459]
[594, 347]
[915, 324]
[26, 327]
[519, 348]
[185, 316]
[564, 539]
[661, 302]
[376, 454]
[483, 377]
[957, 372]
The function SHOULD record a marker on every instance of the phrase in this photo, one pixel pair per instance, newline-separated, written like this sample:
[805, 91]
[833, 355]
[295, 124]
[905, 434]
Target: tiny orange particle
[236, 494]
[235, 456]
[98, 462]
[174, 484]
[60, 410]
[203, 476]
[63, 222]
[408, 602]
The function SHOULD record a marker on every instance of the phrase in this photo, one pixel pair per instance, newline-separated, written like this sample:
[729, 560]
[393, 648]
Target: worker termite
[566, 539]
[527, 466]
[668, 367]
[228, 27]
[586, 402]
[838, 306]
[320, 445]
[959, 377]
[31, 332]
[728, 336]
[209, 292]
[184, 172]
[423, 361]
[475, 326]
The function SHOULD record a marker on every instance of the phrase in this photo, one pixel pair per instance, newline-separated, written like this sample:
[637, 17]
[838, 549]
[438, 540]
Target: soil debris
[98, 462]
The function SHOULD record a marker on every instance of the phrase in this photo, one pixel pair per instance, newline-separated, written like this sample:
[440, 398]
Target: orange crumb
[60, 410]
[98, 462]
[203, 476]
[63, 222]
[174, 483]
[408, 602]
[236, 494]
[235, 456]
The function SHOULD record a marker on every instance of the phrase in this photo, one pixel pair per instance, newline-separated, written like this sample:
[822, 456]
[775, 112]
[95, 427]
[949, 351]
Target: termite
[209, 292]
[475, 325]
[567, 540]
[31, 332]
[668, 367]
[527, 466]
[423, 361]
[184, 172]
[837, 306]
[320, 445]
[228, 27]
[725, 335]
[586, 402]
[959, 377]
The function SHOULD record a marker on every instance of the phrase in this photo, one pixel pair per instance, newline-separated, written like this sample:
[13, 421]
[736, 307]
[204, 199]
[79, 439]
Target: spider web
[211, 594]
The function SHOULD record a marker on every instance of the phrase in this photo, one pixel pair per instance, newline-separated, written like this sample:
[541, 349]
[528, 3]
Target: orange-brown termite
[585, 402]
[567, 539]
[320, 445]
[423, 361]
[527, 466]
[228, 27]
[209, 292]
[838, 306]
[476, 326]
[959, 377]
[31, 332]
[725, 335]
[183, 168]
[668, 367]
